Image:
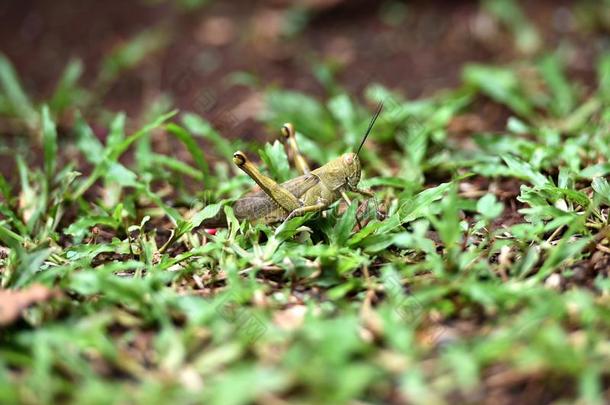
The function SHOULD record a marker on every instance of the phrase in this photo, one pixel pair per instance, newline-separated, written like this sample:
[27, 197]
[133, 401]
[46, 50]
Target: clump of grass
[489, 267]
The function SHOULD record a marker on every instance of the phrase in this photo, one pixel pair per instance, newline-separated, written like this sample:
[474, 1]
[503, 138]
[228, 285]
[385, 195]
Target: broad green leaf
[209, 211]
[121, 175]
[524, 170]
[602, 188]
[489, 207]
[597, 170]
[500, 84]
[415, 207]
[274, 156]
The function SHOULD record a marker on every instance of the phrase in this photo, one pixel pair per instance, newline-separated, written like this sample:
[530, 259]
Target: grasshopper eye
[348, 159]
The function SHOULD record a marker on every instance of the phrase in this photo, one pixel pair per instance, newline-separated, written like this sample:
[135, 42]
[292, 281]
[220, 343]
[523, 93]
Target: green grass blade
[49, 142]
[116, 149]
[199, 127]
[18, 102]
[67, 93]
[191, 145]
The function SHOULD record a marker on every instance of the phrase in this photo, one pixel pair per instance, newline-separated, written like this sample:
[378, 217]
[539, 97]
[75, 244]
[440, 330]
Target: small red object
[211, 231]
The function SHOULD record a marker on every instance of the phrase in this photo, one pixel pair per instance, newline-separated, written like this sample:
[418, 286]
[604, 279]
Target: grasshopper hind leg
[283, 198]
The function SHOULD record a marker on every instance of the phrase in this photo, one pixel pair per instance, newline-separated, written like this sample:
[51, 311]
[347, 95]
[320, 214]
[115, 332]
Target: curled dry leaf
[13, 302]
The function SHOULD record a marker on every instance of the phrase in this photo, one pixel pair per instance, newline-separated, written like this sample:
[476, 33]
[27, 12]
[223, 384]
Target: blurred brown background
[415, 47]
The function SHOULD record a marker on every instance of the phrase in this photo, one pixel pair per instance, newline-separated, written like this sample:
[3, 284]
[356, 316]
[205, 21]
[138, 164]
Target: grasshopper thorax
[341, 172]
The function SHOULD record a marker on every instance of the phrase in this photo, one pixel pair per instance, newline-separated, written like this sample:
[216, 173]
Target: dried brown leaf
[14, 302]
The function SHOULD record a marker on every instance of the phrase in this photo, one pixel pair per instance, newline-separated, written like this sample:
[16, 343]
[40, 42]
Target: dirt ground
[416, 48]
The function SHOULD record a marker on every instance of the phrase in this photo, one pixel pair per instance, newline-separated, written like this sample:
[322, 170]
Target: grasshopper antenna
[368, 131]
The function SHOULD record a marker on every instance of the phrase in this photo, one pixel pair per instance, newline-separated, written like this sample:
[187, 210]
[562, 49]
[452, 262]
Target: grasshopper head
[351, 163]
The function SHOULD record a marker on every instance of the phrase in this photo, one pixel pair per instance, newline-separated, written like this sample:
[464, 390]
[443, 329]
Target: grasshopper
[313, 191]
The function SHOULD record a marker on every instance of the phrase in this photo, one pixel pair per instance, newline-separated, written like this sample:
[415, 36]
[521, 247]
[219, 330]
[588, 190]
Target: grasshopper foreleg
[319, 206]
[366, 193]
[380, 215]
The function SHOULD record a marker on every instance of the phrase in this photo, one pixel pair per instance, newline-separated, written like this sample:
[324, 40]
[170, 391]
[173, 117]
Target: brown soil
[422, 54]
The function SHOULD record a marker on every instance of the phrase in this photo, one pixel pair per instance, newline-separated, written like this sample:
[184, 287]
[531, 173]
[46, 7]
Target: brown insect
[313, 191]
